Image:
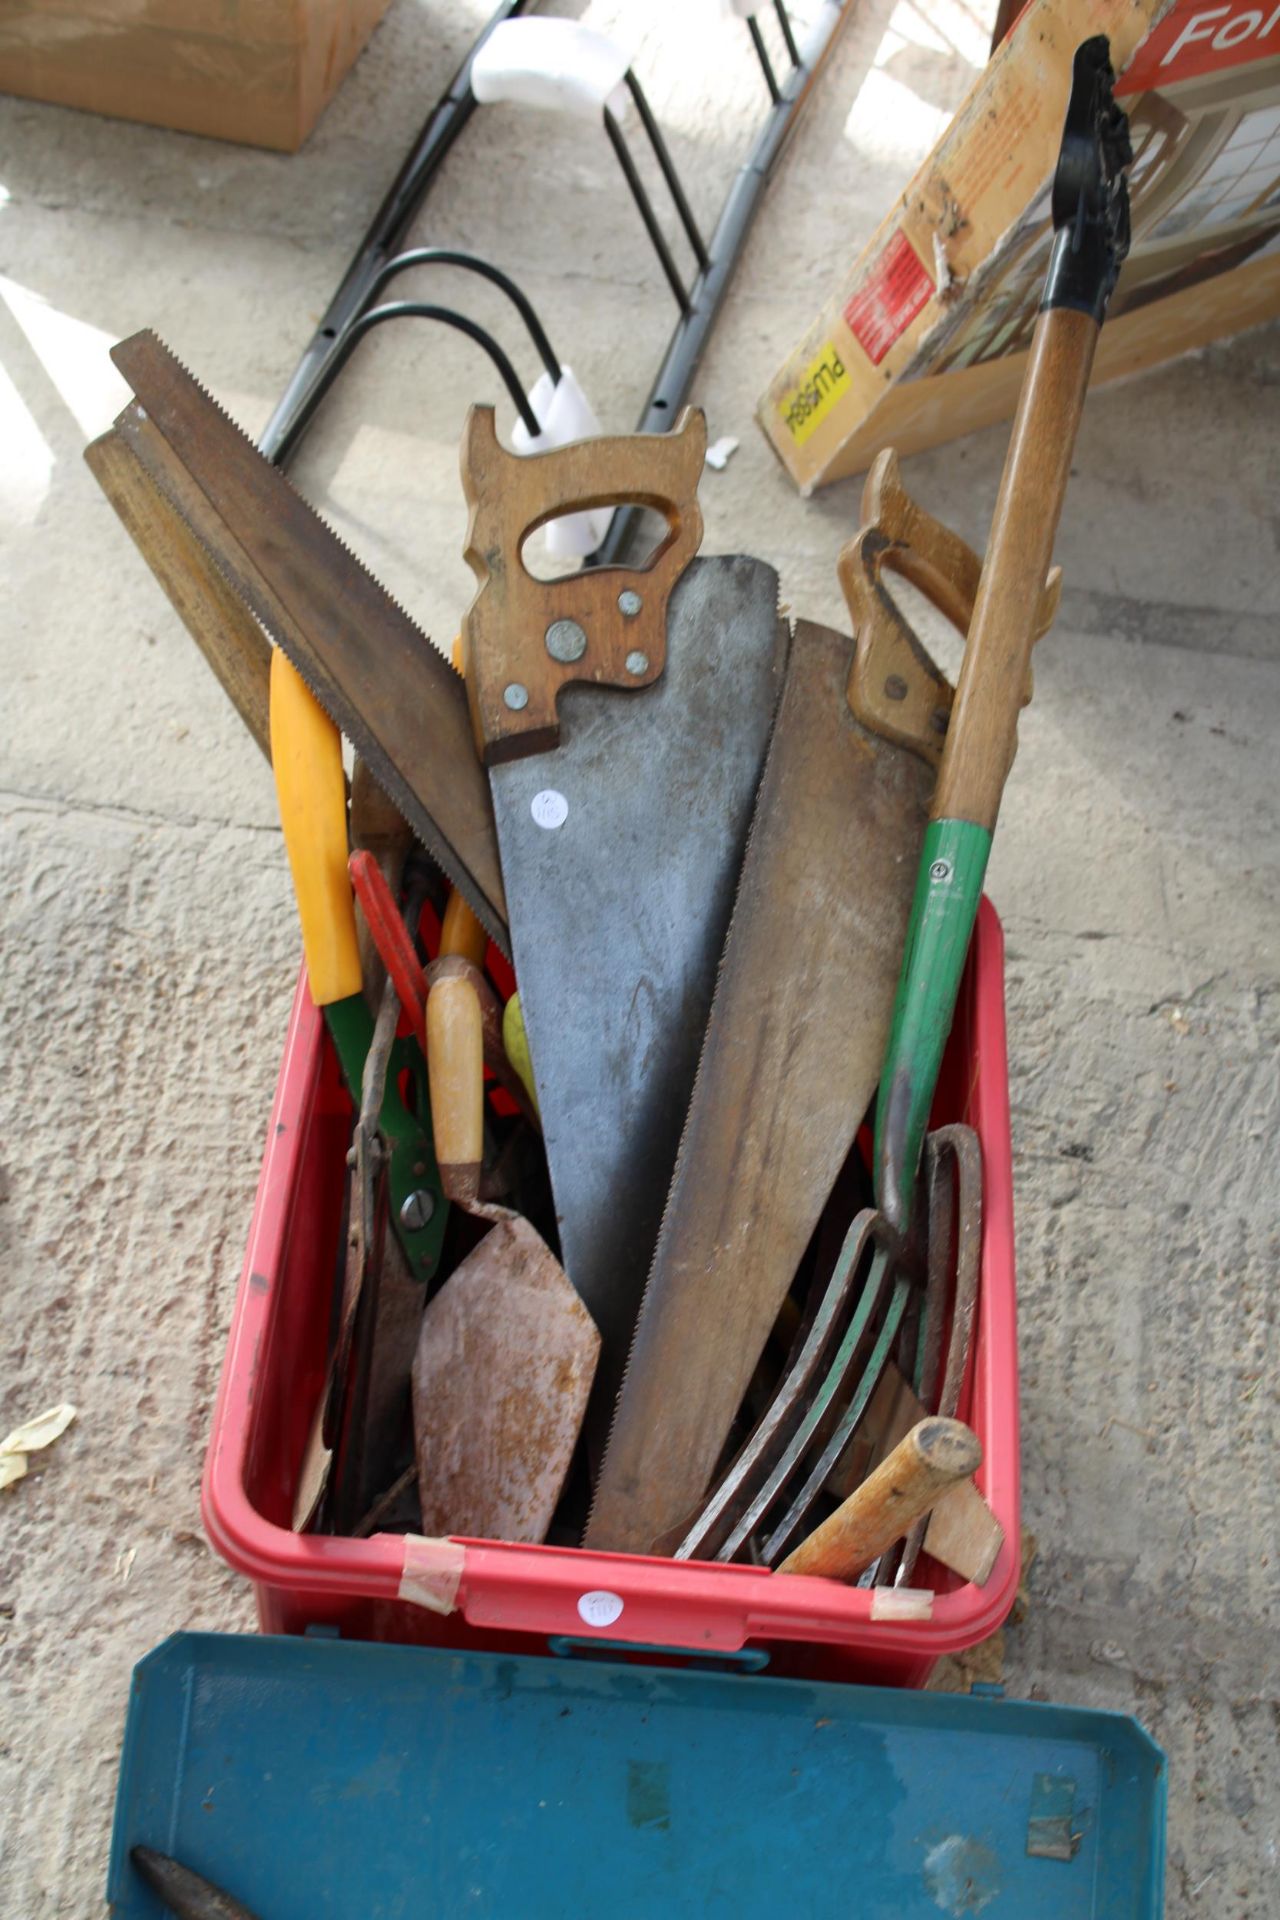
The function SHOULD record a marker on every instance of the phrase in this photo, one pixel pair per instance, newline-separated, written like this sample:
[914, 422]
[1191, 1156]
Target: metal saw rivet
[637, 663]
[416, 1209]
[895, 687]
[566, 641]
[629, 603]
[516, 696]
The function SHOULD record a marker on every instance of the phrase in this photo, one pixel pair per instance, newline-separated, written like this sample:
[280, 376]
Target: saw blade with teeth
[397, 699]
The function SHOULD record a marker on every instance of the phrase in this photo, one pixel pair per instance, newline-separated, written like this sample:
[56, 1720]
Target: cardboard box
[256, 71]
[927, 339]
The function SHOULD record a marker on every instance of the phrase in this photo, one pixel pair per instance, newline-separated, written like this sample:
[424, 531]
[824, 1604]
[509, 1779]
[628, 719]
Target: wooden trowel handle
[524, 639]
[933, 1457]
[455, 1065]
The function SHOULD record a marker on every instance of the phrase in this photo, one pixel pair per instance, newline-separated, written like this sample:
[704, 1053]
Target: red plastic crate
[488, 1594]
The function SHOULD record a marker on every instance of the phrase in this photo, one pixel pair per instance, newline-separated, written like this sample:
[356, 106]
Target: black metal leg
[669, 173]
[645, 206]
[789, 39]
[762, 54]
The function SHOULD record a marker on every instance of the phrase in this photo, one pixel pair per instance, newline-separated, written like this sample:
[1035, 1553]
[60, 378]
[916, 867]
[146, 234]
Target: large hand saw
[801, 1016]
[390, 691]
[624, 716]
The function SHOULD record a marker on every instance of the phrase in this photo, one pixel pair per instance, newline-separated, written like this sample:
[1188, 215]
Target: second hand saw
[393, 694]
[624, 715]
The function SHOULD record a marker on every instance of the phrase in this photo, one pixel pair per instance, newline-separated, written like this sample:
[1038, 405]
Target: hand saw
[801, 1016]
[624, 716]
[390, 691]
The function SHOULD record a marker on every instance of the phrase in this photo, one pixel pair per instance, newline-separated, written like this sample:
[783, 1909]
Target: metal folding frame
[354, 311]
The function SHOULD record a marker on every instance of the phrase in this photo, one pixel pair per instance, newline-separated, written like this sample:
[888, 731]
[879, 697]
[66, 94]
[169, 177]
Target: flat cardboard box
[927, 339]
[256, 71]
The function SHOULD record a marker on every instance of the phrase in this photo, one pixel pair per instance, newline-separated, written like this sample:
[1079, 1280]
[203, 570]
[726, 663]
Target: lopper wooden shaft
[982, 736]
[934, 1456]
[1091, 238]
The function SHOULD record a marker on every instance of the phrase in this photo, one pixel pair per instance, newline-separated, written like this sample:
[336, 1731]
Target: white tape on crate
[431, 1572]
[565, 414]
[557, 65]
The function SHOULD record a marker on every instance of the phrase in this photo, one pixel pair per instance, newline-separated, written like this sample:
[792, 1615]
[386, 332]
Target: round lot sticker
[600, 1609]
[549, 808]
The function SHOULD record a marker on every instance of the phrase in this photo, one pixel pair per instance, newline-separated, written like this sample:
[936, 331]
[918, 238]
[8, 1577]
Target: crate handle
[569, 1646]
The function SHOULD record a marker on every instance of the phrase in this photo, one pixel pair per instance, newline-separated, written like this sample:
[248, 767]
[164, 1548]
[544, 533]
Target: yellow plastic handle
[461, 933]
[516, 1042]
[306, 755]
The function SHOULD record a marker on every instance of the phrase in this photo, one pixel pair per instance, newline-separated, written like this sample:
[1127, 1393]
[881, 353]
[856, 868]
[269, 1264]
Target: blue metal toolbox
[317, 1779]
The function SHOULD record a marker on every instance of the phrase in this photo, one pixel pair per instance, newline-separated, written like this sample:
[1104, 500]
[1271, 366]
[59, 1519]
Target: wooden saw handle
[895, 689]
[934, 1456]
[524, 639]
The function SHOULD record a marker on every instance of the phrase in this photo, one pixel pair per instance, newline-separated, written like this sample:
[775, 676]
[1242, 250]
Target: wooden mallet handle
[932, 1457]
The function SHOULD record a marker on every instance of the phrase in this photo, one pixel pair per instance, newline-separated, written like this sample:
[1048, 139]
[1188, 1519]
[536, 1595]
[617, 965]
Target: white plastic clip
[564, 414]
[554, 64]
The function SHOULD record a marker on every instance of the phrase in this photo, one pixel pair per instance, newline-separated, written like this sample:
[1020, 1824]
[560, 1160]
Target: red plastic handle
[390, 936]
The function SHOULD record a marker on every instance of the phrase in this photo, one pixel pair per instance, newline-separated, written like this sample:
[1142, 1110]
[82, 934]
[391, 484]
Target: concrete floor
[151, 946]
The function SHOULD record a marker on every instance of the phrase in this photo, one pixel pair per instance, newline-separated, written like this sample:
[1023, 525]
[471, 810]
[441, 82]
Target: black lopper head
[1090, 194]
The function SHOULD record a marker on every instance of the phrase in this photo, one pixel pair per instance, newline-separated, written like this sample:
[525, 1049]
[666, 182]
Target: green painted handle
[953, 862]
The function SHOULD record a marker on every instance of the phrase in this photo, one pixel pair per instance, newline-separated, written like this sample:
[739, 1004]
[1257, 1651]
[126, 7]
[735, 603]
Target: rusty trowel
[801, 1016]
[624, 716]
[507, 1351]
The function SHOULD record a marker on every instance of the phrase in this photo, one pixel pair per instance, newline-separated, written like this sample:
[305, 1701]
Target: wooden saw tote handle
[1091, 222]
[931, 1459]
[895, 689]
[524, 639]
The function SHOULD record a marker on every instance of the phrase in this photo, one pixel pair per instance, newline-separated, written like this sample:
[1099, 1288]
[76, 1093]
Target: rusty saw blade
[800, 1022]
[397, 699]
[647, 698]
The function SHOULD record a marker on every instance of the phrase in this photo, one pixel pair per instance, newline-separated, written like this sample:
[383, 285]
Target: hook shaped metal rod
[416, 310]
[470, 263]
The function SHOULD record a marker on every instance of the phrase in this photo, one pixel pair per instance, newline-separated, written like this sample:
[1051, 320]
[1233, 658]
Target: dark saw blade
[621, 851]
[793, 1052]
[393, 694]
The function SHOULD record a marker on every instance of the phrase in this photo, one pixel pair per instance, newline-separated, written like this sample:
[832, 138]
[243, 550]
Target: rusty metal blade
[376, 673]
[621, 850]
[504, 1367]
[791, 1060]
